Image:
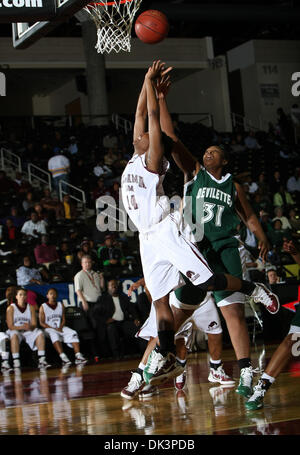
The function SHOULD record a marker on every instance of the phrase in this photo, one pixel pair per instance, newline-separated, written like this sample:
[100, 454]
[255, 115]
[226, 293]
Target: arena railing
[44, 177]
[11, 158]
[121, 122]
[246, 124]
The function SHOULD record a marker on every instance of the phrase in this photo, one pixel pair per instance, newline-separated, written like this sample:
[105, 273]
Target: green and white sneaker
[245, 384]
[152, 365]
[256, 401]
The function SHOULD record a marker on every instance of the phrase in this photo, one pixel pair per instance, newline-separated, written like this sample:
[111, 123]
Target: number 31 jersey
[216, 199]
[143, 195]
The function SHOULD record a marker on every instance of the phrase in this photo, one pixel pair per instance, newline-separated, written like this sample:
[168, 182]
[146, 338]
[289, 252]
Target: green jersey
[215, 199]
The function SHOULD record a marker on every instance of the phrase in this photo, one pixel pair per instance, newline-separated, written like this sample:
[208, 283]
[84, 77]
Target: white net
[113, 20]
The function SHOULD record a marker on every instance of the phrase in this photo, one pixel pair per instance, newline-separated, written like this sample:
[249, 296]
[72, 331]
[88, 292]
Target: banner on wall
[68, 296]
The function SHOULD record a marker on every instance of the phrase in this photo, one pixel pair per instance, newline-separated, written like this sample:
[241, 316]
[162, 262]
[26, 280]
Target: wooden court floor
[87, 401]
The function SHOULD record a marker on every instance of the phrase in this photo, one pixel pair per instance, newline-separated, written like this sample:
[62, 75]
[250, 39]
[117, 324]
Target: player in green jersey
[222, 204]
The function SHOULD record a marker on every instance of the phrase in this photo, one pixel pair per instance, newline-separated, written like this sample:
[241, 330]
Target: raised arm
[186, 162]
[140, 114]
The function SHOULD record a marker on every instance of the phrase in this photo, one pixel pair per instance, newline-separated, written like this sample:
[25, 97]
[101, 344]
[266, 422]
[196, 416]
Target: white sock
[5, 355]
[215, 361]
[142, 366]
[16, 355]
[63, 356]
[181, 361]
[41, 353]
[78, 354]
[269, 378]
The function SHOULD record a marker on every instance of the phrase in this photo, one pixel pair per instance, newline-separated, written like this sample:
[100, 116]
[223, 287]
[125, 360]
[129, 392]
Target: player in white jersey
[52, 319]
[22, 326]
[165, 252]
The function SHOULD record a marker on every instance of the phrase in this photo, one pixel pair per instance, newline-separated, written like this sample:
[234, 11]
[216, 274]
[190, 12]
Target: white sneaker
[160, 369]
[80, 360]
[5, 366]
[16, 363]
[43, 363]
[134, 386]
[219, 375]
[263, 295]
[245, 384]
[256, 401]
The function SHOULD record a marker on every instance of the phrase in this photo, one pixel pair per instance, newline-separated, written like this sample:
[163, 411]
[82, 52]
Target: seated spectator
[28, 202]
[23, 186]
[100, 190]
[110, 157]
[272, 276]
[10, 231]
[115, 192]
[108, 255]
[22, 326]
[33, 227]
[115, 312]
[119, 164]
[65, 252]
[52, 319]
[262, 184]
[18, 220]
[67, 209]
[102, 170]
[26, 274]
[277, 234]
[265, 221]
[279, 216]
[275, 182]
[44, 253]
[294, 220]
[293, 183]
[282, 198]
[73, 147]
[48, 202]
[41, 212]
[251, 141]
[237, 144]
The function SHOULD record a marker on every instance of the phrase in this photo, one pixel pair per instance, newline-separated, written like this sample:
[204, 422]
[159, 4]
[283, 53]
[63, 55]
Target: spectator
[110, 157]
[237, 144]
[277, 235]
[110, 141]
[279, 216]
[44, 253]
[108, 255]
[34, 227]
[22, 325]
[10, 231]
[119, 164]
[23, 186]
[115, 192]
[59, 166]
[52, 319]
[6, 184]
[100, 189]
[294, 220]
[282, 198]
[26, 274]
[275, 182]
[251, 141]
[272, 277]
[41, 212]
[88, 287]
[49, 203]
[28, 202]
[293, 183]
[118, 314]
[17, 220]
[87, 249]
[73, 147]
[265, 221]
[101, 170]
[65, 253]
[262, 184]
[67, 209]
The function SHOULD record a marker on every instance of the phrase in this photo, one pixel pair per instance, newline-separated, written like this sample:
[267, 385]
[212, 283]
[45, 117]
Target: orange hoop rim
[121, 2]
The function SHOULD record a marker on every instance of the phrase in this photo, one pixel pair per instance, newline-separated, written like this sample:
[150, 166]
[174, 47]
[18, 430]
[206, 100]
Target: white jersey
[143, 195]
[21, 317]
[53, 316]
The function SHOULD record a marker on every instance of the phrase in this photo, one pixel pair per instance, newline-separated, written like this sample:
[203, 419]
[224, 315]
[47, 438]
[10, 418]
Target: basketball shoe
[263, 295]
[133, 387]
[256, 401]
[160, 368]
[219, 375]
[245, 384]
[5, 366]
[179, 381]
[148, 391]
[80, 360]
[43, 363]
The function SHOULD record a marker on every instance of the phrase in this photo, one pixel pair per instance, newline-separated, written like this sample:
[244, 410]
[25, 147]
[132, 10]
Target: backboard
[25, 34]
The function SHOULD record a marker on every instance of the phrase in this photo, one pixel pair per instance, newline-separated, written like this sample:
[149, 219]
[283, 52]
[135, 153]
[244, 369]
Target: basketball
[152, 26]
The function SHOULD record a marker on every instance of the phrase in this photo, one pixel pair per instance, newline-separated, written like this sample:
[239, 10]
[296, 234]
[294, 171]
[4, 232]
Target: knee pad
[216, 282]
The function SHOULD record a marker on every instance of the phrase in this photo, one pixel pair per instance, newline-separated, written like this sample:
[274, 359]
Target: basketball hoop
[114, 22]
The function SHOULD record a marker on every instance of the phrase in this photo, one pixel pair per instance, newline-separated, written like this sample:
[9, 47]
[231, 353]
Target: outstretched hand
[162, 86]
[157, 69]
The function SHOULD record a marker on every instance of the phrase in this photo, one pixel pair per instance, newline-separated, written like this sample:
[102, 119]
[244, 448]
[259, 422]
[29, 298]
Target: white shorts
[205, 318]
[29, 336]
[67, 336]
[294, 329]
[164, 253]
[235, 297]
